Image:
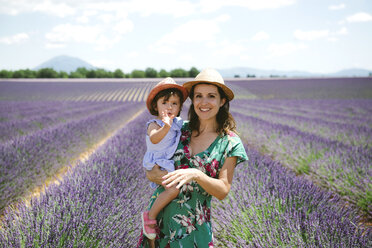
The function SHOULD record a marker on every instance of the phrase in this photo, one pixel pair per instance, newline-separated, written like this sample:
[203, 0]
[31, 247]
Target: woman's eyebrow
[207, 93]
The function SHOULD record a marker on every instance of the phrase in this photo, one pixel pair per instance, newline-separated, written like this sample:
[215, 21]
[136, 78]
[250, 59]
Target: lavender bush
[270, 206]
[343, 168]
[96, 205]
[73, 90]
[99, 202]
[28, 161]
[306, 88]
[23, 118]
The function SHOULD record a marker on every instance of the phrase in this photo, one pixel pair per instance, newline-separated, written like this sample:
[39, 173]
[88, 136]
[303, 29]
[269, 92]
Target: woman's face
[207, 101]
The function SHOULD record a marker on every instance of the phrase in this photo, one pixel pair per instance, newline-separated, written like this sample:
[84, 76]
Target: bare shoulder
[152, 126]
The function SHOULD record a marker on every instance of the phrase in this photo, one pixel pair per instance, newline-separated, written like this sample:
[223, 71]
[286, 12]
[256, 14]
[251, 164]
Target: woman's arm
[155, 174]
[219, 188]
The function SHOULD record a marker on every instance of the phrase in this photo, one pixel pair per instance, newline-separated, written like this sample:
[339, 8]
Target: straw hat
[210, 76]
[167, 83]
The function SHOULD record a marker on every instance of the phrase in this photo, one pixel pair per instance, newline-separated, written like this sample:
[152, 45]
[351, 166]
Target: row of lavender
[75, 90]
[28, 161]
[23, 118]
[334, 153]
[306, 88]
[98, 204]
[272, 207]
[345, 121]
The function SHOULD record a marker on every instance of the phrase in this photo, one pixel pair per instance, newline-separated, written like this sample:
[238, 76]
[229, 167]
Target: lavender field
[308, 182]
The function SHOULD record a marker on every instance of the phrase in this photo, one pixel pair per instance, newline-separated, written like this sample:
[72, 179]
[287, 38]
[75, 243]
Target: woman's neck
[207, 126]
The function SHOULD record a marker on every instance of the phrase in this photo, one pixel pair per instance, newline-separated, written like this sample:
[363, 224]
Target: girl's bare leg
[151, 243]
[162, 200]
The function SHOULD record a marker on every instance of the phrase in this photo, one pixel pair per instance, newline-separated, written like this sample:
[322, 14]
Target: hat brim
[228, 92]
[157, 89]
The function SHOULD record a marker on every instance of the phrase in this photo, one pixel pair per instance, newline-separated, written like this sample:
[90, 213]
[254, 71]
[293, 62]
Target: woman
[205, 160]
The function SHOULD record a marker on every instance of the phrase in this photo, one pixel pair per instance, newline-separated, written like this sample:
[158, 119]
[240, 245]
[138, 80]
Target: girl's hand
[180, 177]
[167, 119]
[155, 174]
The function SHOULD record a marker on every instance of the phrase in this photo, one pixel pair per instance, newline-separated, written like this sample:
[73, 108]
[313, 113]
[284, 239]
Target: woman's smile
[204, 109]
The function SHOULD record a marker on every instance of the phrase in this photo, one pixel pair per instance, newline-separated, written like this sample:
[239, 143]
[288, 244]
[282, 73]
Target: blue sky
[316, 36]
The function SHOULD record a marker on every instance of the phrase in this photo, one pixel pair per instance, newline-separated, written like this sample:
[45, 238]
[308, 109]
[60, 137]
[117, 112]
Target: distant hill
[65, 63]
[244, 71]
[352, 72]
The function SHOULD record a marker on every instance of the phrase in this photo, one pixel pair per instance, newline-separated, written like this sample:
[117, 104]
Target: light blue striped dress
[162, 152]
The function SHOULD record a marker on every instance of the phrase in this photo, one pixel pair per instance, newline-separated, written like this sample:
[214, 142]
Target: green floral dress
[186, 221]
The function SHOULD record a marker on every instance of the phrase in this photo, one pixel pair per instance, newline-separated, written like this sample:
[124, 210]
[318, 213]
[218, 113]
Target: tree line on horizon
[82, 72]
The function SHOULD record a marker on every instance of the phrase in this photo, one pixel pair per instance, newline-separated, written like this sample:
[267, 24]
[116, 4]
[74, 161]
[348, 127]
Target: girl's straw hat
[167, 83]
[210, 76]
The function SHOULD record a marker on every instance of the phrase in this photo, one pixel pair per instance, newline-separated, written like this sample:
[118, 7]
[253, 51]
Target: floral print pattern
[186, 221]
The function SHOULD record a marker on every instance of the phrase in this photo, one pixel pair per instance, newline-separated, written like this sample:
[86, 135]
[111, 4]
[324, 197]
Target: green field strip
[92, 96]
[130, 98]
[128, 93]
[122, 95]
[118, 93]
[140, 95]
[136, 96]
[106, 96]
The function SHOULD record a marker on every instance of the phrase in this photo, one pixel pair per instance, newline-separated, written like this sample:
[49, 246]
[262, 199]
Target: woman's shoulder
[232, 137]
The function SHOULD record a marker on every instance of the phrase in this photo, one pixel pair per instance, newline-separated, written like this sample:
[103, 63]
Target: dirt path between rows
[58, 177]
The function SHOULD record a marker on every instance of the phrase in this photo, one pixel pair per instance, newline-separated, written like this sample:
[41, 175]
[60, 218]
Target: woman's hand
[155, 174]
[180, 177]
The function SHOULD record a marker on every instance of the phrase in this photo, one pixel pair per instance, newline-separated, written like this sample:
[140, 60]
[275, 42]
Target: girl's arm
[219, 188]
[157, 133]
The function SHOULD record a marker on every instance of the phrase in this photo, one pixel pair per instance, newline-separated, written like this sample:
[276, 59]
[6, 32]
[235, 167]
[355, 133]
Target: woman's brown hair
[225, 121]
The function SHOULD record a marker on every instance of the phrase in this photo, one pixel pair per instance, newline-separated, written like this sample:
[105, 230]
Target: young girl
[163, 133]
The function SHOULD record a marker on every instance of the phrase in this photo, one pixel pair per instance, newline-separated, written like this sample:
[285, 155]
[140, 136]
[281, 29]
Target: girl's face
[207, 101]
[172, 106]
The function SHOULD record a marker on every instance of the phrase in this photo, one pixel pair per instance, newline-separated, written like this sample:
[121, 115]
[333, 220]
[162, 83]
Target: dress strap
[157, 121]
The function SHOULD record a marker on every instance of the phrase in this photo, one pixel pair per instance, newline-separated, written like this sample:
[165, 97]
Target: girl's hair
[167, 93]
[225, 121]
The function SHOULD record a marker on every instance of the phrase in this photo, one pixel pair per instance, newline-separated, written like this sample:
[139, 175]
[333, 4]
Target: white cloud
[49, 7]
[214, 5]
[227, 48]
[337, 7]
[56, 9]
[176, 8]
[192, 31]
[16, 7]
[102, 63]
[14, 39]
[54, 45]
[245, 58]
[73, 33]
[187, 58]
[133, 54]
[283, 49]
[332, 39]
[310, 35]
[123, 26]
[103, 35]
[85, 17]
[342, 31]
[260, 36]
[359, 17]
